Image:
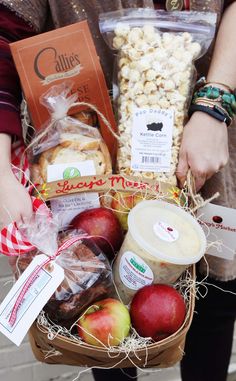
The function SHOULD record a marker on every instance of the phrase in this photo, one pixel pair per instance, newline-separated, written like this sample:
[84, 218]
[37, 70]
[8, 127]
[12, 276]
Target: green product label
[137, 265]
[70, 173]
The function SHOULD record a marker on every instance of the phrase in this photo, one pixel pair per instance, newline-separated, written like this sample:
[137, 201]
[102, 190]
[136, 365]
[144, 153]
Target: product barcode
[150, 159]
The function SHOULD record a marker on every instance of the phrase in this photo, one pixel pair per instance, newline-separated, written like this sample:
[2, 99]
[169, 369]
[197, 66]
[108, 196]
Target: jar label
[165, 232]
[134, 272]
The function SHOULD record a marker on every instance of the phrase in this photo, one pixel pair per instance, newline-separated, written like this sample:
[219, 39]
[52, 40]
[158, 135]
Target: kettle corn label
[152, 139]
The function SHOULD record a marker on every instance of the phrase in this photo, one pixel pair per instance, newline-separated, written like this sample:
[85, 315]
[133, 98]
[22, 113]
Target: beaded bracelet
[217, 95]
[213, 111]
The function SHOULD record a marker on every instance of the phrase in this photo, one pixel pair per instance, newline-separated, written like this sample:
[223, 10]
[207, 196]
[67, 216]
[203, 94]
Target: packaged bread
[66, 148]
[72, 148]
[87, 117]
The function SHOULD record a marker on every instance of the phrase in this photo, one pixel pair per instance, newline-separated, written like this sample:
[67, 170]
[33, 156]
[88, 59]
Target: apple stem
[93, 308]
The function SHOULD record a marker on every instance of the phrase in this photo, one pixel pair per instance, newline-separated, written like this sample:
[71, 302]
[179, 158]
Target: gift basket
[69, 351]
[125, 236]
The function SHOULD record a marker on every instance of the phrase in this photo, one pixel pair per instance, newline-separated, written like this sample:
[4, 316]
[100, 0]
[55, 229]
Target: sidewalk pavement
[170, 374]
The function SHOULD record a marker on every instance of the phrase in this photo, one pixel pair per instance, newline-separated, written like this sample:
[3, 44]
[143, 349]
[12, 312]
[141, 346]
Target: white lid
[167, 232]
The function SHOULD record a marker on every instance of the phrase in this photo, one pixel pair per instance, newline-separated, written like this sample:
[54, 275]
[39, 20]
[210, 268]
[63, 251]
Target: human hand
[15, 202]
[204, 149]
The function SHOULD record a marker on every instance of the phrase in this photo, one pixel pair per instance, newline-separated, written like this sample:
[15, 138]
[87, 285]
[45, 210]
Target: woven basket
[162, 354]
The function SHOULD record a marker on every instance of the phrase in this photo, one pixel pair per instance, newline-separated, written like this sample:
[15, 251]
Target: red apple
[103, 223]
[157, 311]
[105, 322]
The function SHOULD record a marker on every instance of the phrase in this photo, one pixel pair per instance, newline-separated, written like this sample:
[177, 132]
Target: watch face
[174, 5]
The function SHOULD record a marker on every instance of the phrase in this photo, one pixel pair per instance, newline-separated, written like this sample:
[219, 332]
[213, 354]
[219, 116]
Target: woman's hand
[15, 202]
[204, 149]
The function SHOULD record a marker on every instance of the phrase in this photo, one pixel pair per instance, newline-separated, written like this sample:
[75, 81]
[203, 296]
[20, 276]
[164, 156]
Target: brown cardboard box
[63, 54]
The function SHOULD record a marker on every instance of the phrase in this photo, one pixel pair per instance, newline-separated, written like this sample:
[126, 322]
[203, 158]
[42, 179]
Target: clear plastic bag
[66, 139]
[88, 274]
[155, 75]
[67, 148]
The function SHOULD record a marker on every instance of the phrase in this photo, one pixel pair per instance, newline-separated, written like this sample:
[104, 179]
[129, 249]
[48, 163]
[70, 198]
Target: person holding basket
[207, 150]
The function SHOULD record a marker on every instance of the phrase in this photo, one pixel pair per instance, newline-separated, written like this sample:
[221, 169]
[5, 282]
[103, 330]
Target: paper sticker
[70, 170]
[68, 207]
[40, 291]
[165, 232]
[152, 139]
[219, 225]
[134, 272]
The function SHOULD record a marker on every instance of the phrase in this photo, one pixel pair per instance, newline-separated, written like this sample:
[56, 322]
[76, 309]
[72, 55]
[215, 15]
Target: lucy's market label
[134, 271]
[219, 224]
[69, 206]
[152, 139]
[165, 232]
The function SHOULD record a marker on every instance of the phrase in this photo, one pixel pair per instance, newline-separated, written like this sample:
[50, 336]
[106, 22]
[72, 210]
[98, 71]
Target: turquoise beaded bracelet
[215, 94]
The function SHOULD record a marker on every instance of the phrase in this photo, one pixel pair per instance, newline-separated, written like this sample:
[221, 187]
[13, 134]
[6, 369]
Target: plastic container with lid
[161, 242]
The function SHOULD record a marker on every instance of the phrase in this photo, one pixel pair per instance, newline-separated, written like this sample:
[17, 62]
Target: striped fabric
[12, 241]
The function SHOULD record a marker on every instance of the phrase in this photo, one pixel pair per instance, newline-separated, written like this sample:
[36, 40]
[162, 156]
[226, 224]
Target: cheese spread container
[161, 242]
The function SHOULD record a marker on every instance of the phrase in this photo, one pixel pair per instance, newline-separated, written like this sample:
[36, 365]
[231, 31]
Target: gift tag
[35, 298]
[219, 225]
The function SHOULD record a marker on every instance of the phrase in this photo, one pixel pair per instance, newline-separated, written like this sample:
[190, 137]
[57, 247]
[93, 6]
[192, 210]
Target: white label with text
[134, 272]
[219, 225]
[151, 144]
[165, 232]
[38, 294]
[68, 207]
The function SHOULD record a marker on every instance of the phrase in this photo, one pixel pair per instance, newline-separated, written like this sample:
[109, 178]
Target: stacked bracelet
[203, 82]
[226, 99]
[213, 111]
[219, 103]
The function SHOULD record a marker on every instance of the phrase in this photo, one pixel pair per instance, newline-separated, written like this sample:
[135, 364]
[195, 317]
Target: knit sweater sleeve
[12, 28]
